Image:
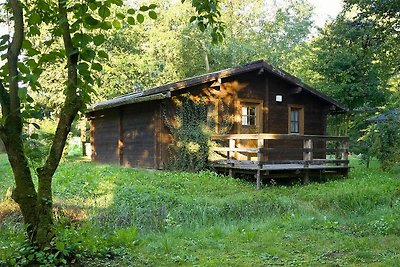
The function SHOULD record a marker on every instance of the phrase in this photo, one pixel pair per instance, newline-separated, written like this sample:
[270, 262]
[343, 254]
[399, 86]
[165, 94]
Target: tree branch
[73, 101]
[14, 50]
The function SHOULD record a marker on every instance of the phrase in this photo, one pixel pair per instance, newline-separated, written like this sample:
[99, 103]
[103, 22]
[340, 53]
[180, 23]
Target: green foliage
[382, 140]
[190, 135]
[383, 19]
[190, 126]
[346, 65]
[72, 245]
[37, 141]
[29, 255]
[354, 60]
[150, 54]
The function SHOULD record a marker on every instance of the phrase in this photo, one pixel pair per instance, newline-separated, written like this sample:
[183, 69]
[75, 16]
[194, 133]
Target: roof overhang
[164, 91]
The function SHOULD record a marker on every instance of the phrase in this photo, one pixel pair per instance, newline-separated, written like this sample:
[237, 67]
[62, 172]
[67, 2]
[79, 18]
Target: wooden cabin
[278, 126]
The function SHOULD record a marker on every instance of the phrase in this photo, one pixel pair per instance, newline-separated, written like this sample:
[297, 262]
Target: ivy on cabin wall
[190, 127]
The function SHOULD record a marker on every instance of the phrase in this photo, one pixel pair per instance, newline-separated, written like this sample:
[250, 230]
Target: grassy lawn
[124, 217]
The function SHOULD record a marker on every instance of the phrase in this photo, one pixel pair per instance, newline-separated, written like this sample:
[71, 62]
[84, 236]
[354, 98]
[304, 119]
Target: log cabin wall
[250, 86]
[315, 115]
[139, 135]
[104, 136]
[167, 109]
[126, 135]
[135, 135]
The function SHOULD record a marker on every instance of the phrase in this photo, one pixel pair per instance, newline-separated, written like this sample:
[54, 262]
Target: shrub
[382, 140]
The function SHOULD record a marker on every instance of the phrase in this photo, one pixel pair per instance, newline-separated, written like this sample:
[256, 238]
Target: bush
[382, 140]
[73, 244]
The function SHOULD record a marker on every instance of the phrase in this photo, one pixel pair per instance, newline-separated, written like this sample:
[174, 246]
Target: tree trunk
[44, 207]
[36, 207]
[24, 193]
[73, 103]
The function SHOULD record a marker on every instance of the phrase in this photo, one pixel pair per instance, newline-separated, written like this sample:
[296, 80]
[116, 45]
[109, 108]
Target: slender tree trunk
[206, 60]
[24, 193]
[73, 103]
[36, 207]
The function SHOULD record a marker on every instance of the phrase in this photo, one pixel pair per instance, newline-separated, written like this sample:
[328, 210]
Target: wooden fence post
[345, 149]
[307, 157]
[232, 144]
[260, 146]
[230, 154]
[345, 154]
[258, 178]
[260, 153]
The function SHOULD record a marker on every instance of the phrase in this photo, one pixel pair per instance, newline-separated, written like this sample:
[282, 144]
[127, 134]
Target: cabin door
[251, 123]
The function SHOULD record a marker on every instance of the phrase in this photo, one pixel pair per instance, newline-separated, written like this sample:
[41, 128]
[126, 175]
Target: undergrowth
[123, 216]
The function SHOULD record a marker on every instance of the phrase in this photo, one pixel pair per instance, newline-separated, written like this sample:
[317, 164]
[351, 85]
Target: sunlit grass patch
[8, 209]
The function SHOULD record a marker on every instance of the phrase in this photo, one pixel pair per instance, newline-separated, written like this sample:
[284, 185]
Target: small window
[296, 120]
[249, 116]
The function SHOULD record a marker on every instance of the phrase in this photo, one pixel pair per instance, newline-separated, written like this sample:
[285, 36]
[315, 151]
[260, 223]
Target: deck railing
[229, 150]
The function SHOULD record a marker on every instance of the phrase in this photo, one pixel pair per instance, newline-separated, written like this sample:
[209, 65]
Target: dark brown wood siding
[167, 111]
[105, 136]
[315, 112]
[147, 141]
[139, 123]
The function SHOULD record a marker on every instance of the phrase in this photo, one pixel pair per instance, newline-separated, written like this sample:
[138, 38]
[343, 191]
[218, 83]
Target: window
[249, 115]
[294, 120]
[296, 123]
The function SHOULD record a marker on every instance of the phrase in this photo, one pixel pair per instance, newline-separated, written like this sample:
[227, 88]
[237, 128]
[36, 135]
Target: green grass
[128, 217]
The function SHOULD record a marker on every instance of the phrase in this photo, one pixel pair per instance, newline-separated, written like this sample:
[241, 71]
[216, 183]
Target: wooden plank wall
[139, 135]
[315, 112]
[141, 129]
[105, 136]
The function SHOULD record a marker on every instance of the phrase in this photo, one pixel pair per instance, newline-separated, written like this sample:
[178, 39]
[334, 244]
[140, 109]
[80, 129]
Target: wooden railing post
[260, 146]
[345, 150]
[307, 157]
[308, 154]
[231, 152]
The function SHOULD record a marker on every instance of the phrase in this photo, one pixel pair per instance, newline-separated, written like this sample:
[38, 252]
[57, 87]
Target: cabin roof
[392, 113]
[165, 90]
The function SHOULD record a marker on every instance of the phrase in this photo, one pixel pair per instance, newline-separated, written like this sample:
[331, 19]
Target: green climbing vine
[190, 127]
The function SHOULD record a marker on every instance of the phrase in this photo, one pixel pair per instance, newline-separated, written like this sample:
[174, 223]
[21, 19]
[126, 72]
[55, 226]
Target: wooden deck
[228, 154]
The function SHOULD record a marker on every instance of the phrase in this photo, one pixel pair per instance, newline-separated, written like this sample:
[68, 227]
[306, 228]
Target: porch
[280, 155]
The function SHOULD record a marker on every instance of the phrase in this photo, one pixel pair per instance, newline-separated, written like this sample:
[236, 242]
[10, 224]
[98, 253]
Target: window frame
[249, 115]
[258, 104]
[300, 108]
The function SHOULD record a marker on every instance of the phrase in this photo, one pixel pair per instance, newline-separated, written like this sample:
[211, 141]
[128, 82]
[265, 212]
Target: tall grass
[171, 208]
